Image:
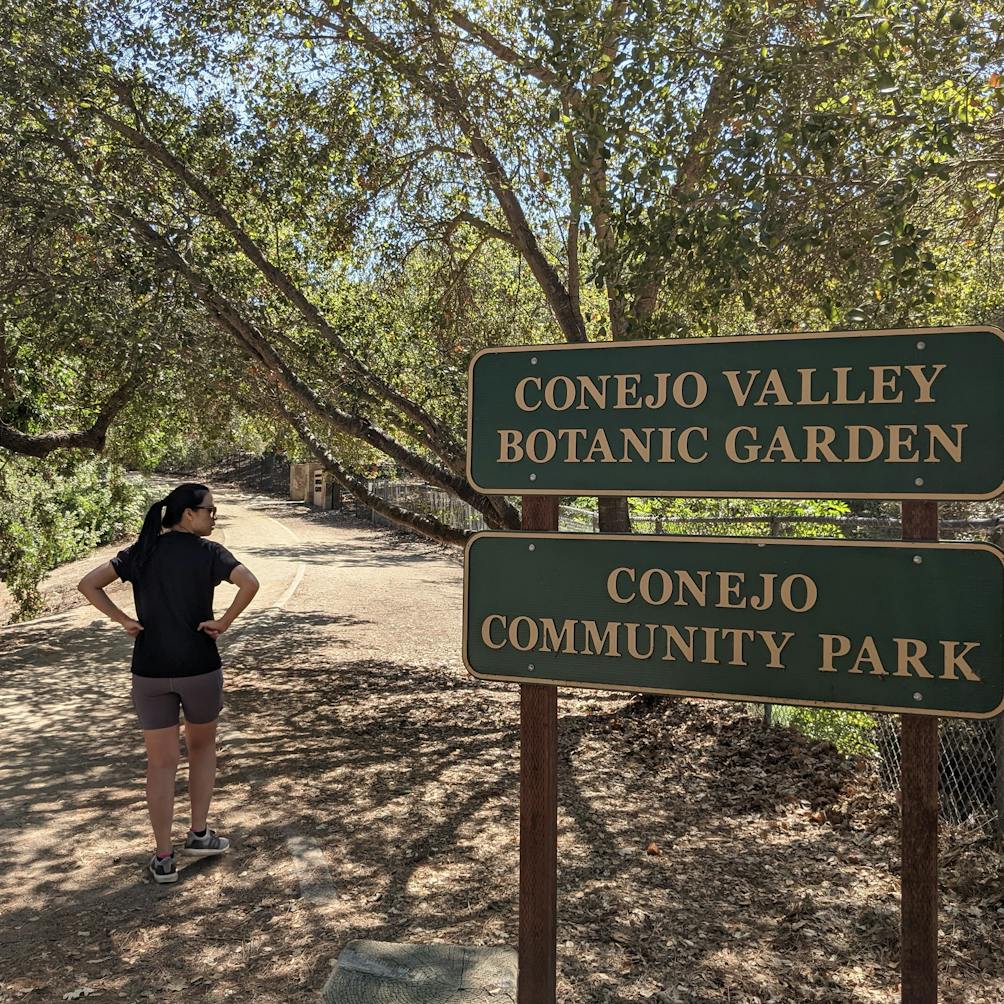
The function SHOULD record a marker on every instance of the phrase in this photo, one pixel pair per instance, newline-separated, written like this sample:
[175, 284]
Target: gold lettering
[780, 443]
[551, 445]
[740, 393]
[818, 439]
[910, 654]
[533, 633]
[868, 654]
[486, 631]
[897, 443]
[509, 449]
[834, 646]
[600, 445]
[572, 438]
[551, 398]
[658, 399]
[957, 660]
[627, 390]
[666, 456]
[774, 648]
[882, 383]
[739, 638]
[766, 598]
[953, 449]
[632, 641]
[697, 592]
[598, 641]
[787, 588]
[923, 384]
[612, 585]
[854, 444]
[729, 584]
[806, 395]
[773, 385]
[685, 649]
[598, 394]
[841, 394]
[700, 389]
[752, 449]
[710, 645]
[632, 439]
[555, 639]
[521, 393]
[683, 445]
[646, 592]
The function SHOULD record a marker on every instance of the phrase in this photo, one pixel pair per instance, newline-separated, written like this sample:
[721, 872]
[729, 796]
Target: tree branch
[87, 439]
[574, 222]
[445, 95]
[692, 171]
[450, 226]
[439, 438]
[501, 50]
[427, 525]
[258, 346]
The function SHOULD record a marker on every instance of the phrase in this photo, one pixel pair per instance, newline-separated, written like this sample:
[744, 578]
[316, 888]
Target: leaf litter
[702, 859]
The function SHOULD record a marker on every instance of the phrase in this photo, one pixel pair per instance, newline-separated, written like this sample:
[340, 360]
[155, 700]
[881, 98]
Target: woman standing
[175, 662]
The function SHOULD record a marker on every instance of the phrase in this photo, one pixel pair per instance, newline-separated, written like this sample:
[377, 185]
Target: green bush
[852, 732]
[56, 510]
[668, 515]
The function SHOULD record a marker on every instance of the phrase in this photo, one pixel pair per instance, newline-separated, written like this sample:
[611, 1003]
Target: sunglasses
[211, 509]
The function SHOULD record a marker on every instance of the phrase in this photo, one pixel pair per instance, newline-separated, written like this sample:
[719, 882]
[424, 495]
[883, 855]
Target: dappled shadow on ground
[342, 553]
[700, 857]
[396, 540]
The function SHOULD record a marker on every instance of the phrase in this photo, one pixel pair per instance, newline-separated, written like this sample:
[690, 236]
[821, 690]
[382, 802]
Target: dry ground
[370, 789]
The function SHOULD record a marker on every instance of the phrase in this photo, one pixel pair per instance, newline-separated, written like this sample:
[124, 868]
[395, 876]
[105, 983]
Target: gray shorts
[157, 699]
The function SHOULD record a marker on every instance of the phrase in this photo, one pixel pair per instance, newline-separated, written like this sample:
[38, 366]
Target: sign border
[766, 541]
[921, 494]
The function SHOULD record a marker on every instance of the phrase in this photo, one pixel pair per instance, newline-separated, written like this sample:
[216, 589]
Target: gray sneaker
[163, 869]
[204, 847]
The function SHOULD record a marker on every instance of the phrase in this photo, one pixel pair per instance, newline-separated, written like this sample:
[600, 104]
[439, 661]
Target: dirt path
[369, 787]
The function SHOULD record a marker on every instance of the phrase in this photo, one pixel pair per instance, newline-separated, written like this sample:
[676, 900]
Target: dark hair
[187, 496]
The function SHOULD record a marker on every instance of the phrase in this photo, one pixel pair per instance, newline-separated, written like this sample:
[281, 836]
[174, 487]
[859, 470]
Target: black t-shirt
[173, 596]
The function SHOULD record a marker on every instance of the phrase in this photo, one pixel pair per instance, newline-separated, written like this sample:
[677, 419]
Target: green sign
[884, 414]
[903, 627]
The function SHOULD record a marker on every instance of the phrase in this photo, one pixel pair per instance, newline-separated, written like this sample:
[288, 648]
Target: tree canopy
[319, 211]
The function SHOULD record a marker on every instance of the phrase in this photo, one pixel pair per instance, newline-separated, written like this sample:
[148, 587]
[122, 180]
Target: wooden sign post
[538, 813]
[919, 822]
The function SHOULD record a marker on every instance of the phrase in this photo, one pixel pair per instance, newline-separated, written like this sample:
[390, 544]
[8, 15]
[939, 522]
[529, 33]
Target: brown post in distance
[538, 812]
[919, 830]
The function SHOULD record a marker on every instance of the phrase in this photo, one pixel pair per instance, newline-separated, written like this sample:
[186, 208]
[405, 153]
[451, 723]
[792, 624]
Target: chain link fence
[971, 755]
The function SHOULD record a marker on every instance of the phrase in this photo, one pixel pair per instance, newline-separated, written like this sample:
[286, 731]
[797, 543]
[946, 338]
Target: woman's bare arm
[92, 585]
[247, 586]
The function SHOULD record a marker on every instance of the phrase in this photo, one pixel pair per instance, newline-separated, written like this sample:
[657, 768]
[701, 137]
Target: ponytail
[165, 513]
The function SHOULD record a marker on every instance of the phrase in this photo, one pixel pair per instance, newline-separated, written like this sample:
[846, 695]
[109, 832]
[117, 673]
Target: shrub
[852, 732]
[56, 510]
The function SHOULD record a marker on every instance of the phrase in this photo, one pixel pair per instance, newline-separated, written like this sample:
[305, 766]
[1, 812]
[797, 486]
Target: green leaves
[56, 510]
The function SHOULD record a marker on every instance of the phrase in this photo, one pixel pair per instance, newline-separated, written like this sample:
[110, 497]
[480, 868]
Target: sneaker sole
[196, 852]
[163, 879]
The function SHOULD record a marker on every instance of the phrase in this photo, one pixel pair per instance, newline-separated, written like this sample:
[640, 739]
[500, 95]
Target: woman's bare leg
[201, 743]
[161, 767]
